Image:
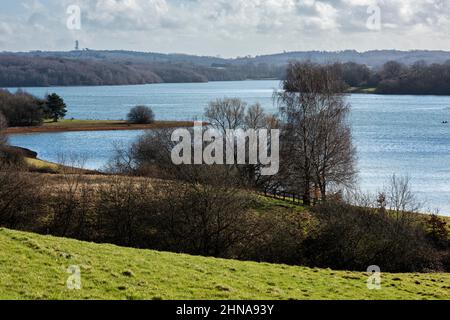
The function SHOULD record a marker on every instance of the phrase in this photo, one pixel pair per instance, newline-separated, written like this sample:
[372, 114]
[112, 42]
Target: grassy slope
[33, 267]
[362, 90]
[38, 165]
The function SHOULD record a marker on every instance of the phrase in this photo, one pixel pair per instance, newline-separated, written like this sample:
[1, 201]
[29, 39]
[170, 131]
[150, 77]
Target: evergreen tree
[56, 107]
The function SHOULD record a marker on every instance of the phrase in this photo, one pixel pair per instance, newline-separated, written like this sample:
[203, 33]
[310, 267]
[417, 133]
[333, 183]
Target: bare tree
[201, 209]
[123, 161]
[3, 126]
[400, 197]
[255, 117]
[392, 70]
[69, 199]
[228, 113]
[20, 197]
[208, 216]
[317, 149]
[334, 156]
[123, 204]
[233, 114]
[10, 157]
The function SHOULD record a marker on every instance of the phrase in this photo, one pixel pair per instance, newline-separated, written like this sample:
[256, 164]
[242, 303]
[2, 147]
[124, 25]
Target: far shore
[96, 125]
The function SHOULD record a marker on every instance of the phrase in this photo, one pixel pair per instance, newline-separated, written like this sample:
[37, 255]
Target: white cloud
[227, 27]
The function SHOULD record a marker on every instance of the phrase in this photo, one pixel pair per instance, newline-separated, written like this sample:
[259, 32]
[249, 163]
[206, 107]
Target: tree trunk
[307, 193]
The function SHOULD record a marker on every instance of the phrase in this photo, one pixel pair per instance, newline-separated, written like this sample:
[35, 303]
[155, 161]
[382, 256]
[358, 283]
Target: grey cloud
[231, 27]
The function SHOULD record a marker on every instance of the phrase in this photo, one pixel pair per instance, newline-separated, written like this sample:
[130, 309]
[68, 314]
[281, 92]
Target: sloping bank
[35, 267]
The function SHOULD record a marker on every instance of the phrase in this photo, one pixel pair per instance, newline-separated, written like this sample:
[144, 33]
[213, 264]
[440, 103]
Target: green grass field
[362, 90]
[34, 267]
[41, 164]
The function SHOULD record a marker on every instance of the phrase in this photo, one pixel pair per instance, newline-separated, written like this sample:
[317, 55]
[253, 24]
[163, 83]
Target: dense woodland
[95, 69]
[397, 78]
[374, 59]
[20, 71]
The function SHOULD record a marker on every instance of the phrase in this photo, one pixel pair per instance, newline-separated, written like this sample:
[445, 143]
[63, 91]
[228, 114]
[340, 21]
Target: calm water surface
[393, 134]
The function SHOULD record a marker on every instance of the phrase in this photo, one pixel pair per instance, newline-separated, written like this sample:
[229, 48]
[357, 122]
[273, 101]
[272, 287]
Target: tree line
[28, 71]
[397, 78]
[391, 78]
[373, 59]
[22, 109]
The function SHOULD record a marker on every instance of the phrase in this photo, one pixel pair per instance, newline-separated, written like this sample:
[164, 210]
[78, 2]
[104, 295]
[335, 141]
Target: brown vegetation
[21, 109]
[79, 125]
[218, 218]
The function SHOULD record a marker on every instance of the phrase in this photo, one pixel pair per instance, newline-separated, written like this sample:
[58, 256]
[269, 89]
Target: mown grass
[34, 267]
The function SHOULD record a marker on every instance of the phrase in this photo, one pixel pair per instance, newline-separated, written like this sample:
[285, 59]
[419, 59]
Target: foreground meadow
[35, 267]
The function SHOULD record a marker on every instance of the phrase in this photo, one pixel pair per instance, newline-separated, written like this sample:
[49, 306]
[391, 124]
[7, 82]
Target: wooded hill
[418, 72]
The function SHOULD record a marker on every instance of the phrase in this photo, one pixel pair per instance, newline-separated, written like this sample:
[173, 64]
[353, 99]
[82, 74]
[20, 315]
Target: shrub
[203, 219]
[3, 126]
[11, 157]
[141, 115]
[279, 237]
[21, 109]
[354, 238]
[20, 199]
[124, 207]
[438, 232]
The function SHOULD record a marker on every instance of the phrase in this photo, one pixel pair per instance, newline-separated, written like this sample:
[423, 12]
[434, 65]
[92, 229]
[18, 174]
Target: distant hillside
[370, 58]
[23, 71]
[122, 55]
[35, 267]
[373, 58]
[91, 67]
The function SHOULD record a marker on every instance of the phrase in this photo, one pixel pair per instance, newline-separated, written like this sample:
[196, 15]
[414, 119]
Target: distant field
[96, 125]
[34, 267]
[362, 90]
[38, 165]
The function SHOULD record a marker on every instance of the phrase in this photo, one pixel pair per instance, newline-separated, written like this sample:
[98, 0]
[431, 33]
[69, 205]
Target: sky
[226, 28]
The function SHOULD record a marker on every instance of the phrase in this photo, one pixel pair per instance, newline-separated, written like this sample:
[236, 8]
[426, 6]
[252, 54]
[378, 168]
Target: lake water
[393, 134]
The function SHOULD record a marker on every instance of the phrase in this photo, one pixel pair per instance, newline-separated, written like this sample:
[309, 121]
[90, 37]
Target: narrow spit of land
[96, 125]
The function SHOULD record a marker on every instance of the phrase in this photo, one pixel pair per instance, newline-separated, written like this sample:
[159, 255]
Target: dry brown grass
[96, 125]
[93, 181]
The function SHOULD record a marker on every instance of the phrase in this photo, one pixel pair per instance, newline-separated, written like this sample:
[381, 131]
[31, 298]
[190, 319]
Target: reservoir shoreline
[95, 125]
